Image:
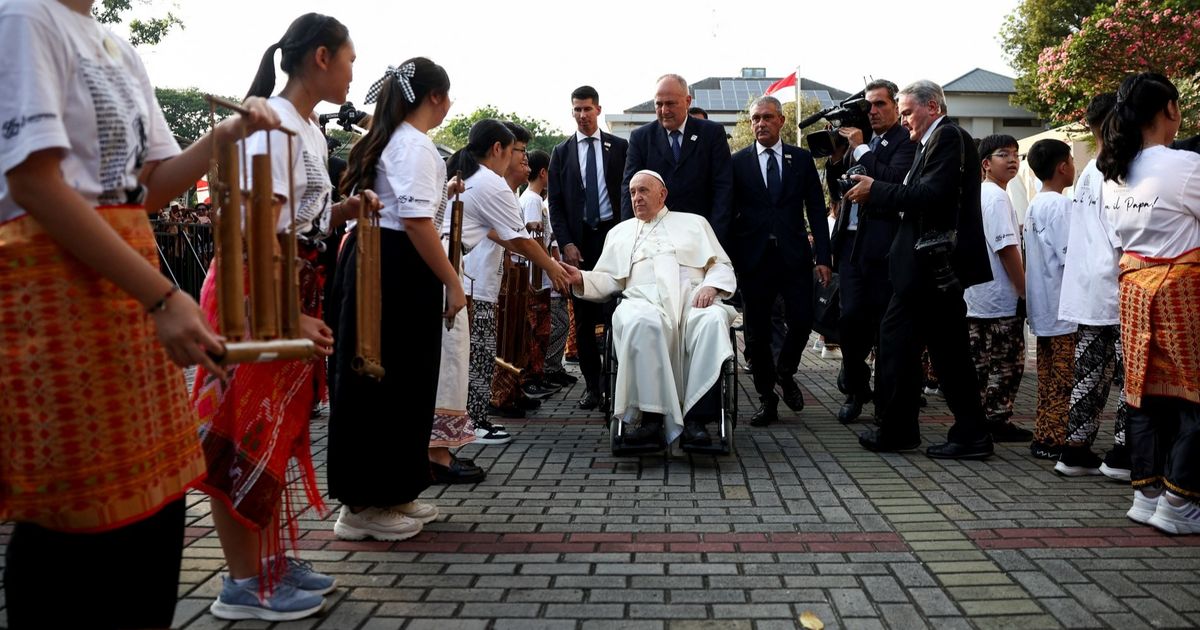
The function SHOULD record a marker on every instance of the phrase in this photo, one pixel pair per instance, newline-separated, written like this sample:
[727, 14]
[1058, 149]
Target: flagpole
[799, 105]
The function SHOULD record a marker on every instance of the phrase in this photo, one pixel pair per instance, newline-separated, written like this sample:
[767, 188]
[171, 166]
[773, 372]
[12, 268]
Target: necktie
[774, 180]
[675, 146]
[874, 146]
[591, 187]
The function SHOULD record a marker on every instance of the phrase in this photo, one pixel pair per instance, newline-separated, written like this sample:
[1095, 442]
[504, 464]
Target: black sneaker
[1008, 432]
[1041, 450]
[1116, 463]
[561, 379]
[1077, 461]
[539, 390]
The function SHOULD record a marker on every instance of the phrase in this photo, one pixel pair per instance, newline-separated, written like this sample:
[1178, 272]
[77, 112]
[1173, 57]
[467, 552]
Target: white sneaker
[488, 433]
[1143, 507]
[375, 523]
[831, 353]
[1176, 519]
[933, 391]
[1119, 474]
[423, 512]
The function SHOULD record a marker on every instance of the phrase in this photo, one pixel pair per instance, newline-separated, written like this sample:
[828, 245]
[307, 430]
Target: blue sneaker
[287, 603]
[300, 574]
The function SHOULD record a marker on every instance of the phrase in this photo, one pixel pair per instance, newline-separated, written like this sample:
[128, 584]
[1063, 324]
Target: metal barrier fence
[184, 252]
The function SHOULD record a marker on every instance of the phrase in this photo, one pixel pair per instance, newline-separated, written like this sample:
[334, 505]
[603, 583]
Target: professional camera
[844, 183]
[851, 112]
[345, 117]
[933, 251]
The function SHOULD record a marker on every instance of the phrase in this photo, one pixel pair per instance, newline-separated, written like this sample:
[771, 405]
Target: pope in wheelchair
[670, 332]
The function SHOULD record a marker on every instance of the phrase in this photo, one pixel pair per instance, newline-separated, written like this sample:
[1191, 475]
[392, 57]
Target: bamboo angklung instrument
[454, 249]
[273, 292]
[368, 297]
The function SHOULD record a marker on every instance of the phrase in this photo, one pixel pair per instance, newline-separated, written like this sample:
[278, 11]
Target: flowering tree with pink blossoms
[1117, 40]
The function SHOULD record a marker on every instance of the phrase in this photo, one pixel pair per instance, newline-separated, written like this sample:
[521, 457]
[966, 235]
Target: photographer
[938, 250]
[861, 238]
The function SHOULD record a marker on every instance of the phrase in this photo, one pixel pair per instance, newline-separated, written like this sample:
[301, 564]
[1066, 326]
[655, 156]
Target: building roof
[981, 81]
[732, 94]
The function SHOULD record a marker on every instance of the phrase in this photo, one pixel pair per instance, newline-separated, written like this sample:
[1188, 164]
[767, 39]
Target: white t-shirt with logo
[311, 189]
[488, 204]
[1047, 231]
[410, 178]
[997, 298]
[72, 84]
[537, 211]
[1156, 212]
[1089, 285]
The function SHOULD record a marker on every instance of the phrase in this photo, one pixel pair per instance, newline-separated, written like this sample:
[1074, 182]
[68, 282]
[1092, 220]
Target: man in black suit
[774, 186]
[861, 239]
[584, 196]
[939, 250]
[691, 154]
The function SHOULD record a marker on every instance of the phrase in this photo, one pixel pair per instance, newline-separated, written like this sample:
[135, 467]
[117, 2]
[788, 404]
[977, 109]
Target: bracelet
[161, 304]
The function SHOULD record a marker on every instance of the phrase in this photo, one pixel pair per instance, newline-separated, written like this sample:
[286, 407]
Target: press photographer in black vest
[862, 237]
[939, 250]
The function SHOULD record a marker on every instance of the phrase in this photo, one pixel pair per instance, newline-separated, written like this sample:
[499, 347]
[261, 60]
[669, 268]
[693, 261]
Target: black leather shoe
[1009, 432]
[792, 396]
[457, 472]
[979, 449]
[590, 400]
[878, 441]
[765, 415]
[695, 434]
[850, 410]
[649, 432]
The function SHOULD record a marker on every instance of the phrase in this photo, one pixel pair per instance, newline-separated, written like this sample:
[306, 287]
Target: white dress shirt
[762, 159]
[606, 211]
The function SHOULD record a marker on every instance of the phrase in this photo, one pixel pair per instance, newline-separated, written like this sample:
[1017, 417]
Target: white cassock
[669, 353]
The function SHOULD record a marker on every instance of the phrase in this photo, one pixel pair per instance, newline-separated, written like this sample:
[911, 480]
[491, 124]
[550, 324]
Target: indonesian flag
[783, 89]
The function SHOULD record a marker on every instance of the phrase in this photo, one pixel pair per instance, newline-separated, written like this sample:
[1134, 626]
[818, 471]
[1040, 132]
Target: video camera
[851, 112]
[345, 117]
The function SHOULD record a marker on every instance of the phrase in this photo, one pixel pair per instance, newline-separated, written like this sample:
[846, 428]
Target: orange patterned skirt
[1160, 326]
[95, 427]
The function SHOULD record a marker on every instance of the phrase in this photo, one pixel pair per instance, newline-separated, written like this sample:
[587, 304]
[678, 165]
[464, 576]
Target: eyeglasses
[1003, 155]
[516, 150]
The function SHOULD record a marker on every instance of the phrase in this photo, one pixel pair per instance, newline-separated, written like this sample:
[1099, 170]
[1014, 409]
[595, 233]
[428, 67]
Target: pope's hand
[705, 297]
[574, 276]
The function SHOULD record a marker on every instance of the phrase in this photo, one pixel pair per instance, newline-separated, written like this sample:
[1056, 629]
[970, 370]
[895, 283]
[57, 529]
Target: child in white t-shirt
[1047, 229]
[994, 321]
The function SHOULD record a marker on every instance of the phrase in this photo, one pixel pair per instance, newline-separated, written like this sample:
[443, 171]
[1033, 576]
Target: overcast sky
[527, 55]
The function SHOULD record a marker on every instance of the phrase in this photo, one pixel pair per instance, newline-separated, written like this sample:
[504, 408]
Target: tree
[454, 132]
[1033, 26]
[187, 112]
[1115, 41]
[149, 31]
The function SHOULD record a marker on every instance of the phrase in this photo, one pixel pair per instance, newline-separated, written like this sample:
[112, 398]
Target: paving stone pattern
[564, 535]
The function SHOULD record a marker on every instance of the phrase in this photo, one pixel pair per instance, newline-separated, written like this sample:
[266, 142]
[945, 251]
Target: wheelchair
[722, 438]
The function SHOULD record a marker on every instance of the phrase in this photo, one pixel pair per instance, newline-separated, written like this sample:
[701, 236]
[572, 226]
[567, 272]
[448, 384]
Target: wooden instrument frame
[267, 261]
[368, 295]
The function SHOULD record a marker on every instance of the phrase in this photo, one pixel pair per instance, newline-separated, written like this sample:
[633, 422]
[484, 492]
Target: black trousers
[1164, 444]
[588, 315]
[379, 430]
[923, 316]
[865, 291]
[760, 286]
[123, 578]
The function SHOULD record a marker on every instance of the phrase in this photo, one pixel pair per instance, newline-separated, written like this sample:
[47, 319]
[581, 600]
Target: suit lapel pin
[694, 138]
[787, 156]
[883, 141]
[607, 145]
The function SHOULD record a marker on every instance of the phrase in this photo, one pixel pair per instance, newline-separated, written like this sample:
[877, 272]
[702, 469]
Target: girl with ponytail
[255, 424]
[1152, 199]
[379, 430]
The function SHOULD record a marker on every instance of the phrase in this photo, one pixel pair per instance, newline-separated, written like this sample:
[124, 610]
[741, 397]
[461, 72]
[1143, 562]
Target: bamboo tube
[368, 312]
[264, 351]
[289, 288]
[261, 243]
[231, 301]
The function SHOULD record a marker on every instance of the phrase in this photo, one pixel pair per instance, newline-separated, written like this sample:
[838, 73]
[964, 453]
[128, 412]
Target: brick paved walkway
[563, 535]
